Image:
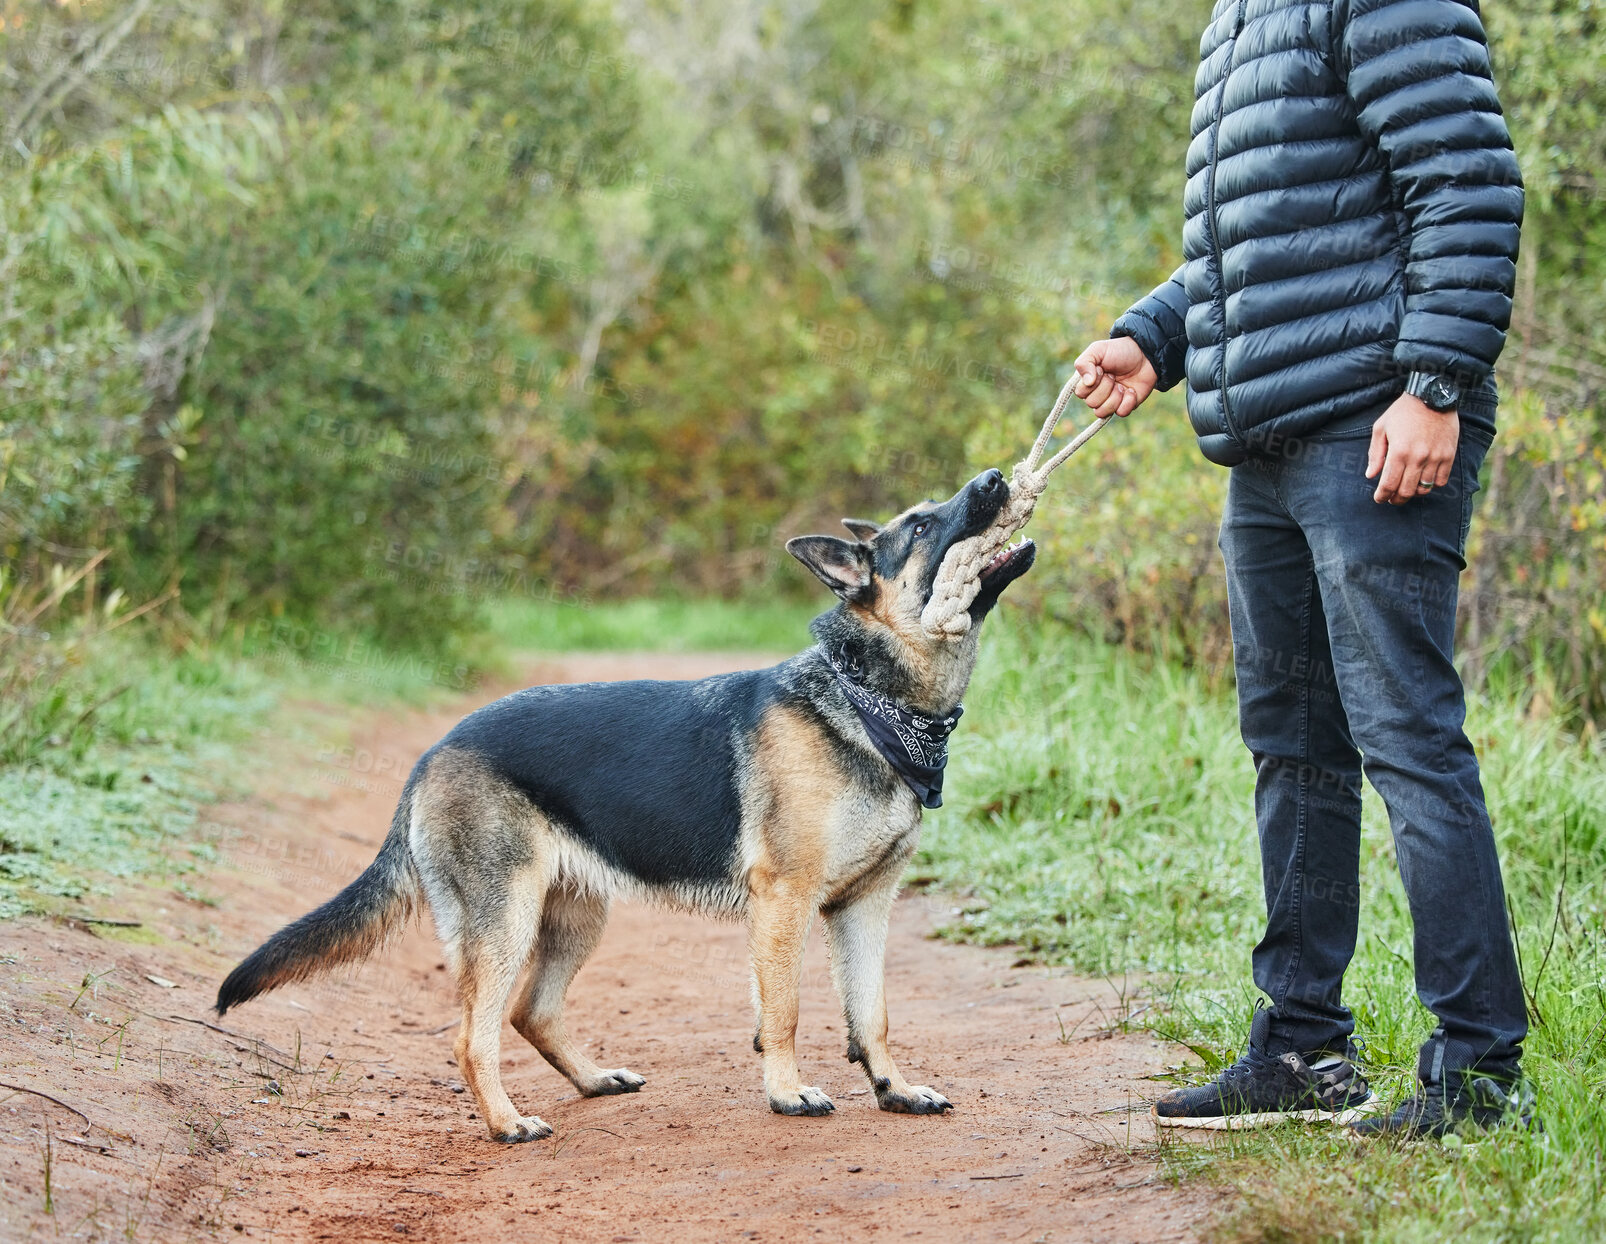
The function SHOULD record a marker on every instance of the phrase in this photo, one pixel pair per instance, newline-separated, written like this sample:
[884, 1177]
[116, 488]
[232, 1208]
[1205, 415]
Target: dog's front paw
[809, 1101]
[521, 1130]
[916, 1099]
[611, 1083]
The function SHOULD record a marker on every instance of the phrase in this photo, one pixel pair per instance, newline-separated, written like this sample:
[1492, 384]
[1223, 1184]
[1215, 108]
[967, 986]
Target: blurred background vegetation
[353, 314]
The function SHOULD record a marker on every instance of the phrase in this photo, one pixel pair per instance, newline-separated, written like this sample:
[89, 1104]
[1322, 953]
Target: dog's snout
[977, 504]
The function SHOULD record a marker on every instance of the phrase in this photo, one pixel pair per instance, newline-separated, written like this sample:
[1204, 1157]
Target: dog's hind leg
[778, 924]
[857, 934]
[571, 926]
[485, 868]
[489, 952]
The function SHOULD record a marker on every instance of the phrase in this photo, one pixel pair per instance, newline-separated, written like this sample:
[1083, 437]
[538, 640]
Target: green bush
[355, 314]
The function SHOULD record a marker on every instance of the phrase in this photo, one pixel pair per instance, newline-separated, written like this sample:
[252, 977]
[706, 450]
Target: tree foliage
[355, 311]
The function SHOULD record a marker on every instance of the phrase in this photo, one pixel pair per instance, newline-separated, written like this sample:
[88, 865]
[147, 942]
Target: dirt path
[334, 1111]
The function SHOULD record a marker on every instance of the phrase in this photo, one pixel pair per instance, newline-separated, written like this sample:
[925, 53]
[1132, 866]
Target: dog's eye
[920, 528]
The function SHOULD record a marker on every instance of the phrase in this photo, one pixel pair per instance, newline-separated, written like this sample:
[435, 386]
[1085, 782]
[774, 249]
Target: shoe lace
[1249, 1067]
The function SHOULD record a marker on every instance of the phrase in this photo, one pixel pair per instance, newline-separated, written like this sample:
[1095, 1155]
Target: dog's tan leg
[491, 950]
[778, 925]
[571, 926]
[857, 935]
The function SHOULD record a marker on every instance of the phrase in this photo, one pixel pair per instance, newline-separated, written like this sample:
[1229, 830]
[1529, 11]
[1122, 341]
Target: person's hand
[1413, 446]
[1114, 376]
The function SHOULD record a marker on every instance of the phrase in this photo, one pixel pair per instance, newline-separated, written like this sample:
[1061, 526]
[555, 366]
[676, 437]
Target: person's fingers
[1393, 476]
[1100, 392]
[1111, 404]
[1413, 471]
[1130, 401]
[1378, 450]
[1089, 365]
[1435, 473]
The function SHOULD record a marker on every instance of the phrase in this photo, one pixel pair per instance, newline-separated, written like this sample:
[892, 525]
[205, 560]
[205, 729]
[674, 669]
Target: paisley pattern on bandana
[914, 744]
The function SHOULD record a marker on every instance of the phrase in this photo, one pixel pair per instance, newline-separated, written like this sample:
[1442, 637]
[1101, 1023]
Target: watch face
[1441, 393]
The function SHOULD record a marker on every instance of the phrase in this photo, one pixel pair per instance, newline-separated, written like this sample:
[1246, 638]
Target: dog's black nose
[989, 482]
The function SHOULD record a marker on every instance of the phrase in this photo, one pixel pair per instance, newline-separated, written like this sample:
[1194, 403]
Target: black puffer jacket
[1352, 205]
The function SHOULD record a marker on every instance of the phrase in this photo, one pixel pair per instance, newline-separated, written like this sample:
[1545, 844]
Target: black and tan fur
[755, 795]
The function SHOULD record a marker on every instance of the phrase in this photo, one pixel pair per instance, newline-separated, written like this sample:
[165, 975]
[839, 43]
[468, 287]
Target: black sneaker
[1478, 1102]
[1259, 1091]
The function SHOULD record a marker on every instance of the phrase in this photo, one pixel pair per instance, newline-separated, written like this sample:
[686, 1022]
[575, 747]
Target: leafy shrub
[359, 313]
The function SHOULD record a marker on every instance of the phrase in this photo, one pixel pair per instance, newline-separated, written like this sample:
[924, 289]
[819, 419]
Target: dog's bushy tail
[348, 927]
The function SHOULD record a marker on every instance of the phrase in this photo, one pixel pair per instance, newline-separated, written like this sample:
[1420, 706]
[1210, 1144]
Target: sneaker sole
[1267, 1118]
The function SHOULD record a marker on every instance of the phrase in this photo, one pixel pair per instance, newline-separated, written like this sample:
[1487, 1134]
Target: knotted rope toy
[947, 613]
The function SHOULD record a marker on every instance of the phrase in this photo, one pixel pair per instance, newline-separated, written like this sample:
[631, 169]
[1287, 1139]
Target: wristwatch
[1435, 391]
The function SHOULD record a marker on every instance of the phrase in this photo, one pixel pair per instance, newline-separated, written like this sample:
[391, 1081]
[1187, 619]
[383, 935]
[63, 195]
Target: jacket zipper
[1210, 210]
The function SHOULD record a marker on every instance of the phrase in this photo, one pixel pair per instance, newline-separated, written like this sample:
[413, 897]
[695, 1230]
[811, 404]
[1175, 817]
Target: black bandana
[916, 746]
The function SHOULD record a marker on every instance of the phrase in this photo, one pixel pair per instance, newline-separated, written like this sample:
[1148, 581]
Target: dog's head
[884, 577]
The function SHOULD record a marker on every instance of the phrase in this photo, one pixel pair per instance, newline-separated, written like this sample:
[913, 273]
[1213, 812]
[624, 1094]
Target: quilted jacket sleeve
[1418, 72]
[1158, 324]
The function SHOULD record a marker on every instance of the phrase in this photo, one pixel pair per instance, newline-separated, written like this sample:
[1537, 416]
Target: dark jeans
[1343, 623]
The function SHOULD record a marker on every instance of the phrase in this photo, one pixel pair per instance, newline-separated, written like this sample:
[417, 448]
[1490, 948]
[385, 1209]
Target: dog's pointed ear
[841, 566]
[862, 528]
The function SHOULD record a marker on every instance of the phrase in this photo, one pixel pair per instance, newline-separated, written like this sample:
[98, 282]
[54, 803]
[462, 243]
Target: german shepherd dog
[758, 795]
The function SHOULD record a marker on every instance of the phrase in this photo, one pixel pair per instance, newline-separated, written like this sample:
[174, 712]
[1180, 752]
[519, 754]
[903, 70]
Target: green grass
[664, 625]
[110, 773]
[1100, 815]
[118, 792]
